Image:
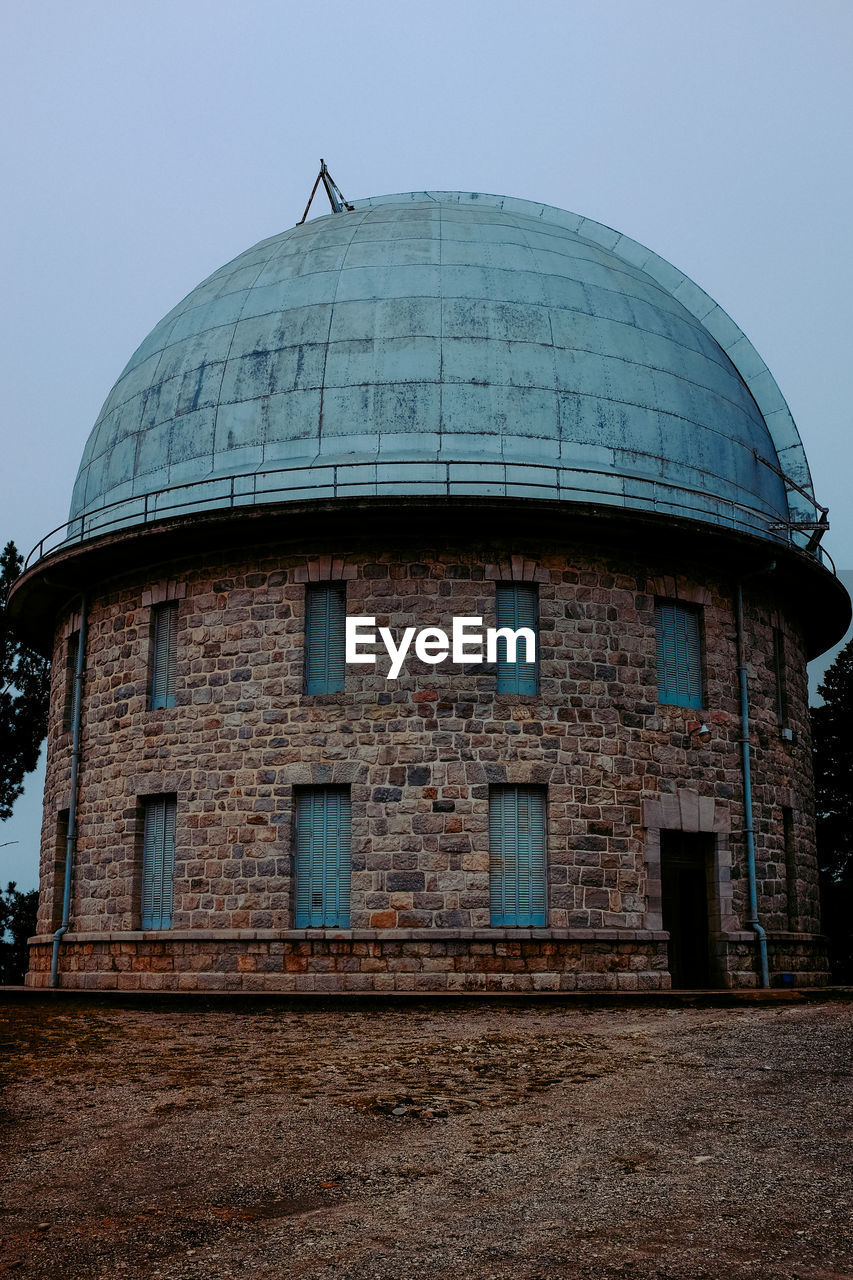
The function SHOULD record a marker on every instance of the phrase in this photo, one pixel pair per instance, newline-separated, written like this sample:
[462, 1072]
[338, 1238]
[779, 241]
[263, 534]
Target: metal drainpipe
[749, 828]
[71, 837]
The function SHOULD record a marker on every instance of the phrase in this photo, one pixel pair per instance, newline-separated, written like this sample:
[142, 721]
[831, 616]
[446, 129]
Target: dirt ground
[480, 1140]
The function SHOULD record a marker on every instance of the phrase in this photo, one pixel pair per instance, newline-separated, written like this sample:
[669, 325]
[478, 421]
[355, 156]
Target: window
[164, 650]
[325, 621]
[679, 652]
[517, 855]
[323, 857]
[59, 857]
[781, 676]
[516, 606]
[158, 861]
[69, 711]
[790, 869]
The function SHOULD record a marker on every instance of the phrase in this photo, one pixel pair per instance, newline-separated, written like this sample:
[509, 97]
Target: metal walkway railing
[416, 477]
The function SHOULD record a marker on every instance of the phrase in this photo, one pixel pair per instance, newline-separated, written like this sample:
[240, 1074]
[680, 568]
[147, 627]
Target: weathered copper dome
[447, 343]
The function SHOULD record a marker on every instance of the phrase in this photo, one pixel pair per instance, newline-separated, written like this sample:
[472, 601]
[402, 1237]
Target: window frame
[315, 869]
[780, 673]
[507, 911]
[789, 846]
[60, 856]
[508, 677]
[695, 661]
[71, 689]
[163, 655]
[332, 636]
[157, 861]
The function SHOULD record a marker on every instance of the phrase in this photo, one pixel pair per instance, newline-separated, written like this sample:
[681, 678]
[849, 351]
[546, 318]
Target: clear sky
[147, 143]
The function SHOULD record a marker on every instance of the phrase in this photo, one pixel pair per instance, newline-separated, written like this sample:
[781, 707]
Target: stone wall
[420, 754]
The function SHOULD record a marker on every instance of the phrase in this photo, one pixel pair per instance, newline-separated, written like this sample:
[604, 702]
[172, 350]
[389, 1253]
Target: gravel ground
[481, 1140]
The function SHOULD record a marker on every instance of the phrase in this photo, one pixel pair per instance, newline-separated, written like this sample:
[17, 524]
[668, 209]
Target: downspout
[71, 835]
[749, 827]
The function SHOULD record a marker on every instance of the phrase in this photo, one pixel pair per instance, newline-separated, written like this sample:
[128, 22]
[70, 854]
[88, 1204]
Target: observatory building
[420, 414]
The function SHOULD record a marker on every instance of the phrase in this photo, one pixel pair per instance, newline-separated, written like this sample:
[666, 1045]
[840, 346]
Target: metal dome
[447, 343]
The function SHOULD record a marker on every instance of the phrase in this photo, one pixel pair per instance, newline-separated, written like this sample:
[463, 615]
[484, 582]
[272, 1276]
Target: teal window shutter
[164, 655]
[517, 605]
[780, 672]
[323, 857]
[679, 654]
[325, 620]
[158, 862]
[71, 689]
[517, 855]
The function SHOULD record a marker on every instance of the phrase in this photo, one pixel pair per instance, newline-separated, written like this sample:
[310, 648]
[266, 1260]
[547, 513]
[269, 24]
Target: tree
[24, 692]
[18, 919]
[832, 730]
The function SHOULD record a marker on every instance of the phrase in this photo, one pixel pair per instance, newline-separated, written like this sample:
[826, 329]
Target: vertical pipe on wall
[749, 826]
[71, 836]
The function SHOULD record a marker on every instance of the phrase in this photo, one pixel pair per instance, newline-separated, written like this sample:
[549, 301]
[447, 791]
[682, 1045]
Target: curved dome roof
[445, 342]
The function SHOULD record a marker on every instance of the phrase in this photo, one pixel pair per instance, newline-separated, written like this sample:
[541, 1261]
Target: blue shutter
[323, 858]
[72, 692]
[325, 620]
[516, 605]
[158, 863]
[517, 855]
[502, 854]
[164, 655]
[679, 654]
[781, 676]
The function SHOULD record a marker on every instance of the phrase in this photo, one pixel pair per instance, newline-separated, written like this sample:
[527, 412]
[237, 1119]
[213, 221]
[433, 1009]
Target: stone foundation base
[794, 959]
[344, 963]
[452, 960]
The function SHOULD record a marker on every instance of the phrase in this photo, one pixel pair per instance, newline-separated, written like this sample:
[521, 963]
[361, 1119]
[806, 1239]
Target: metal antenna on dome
[333, 191]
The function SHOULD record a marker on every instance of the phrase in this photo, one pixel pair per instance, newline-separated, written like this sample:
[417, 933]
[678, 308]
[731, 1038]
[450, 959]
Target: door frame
[687, 811]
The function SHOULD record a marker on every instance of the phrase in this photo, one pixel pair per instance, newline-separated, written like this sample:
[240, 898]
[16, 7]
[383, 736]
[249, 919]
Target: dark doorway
[684, 864]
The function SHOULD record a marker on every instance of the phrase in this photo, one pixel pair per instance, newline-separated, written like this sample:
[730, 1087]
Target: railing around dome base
[413, 478]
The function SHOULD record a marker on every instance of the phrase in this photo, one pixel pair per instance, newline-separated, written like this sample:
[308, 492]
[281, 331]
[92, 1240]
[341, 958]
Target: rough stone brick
[419, 758]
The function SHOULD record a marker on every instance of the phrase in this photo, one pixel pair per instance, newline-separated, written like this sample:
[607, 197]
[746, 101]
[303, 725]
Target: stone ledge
[783, 936]
[410, 935]
[363, 935]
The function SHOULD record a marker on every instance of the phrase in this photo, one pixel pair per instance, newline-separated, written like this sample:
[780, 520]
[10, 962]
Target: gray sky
[145, 144]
